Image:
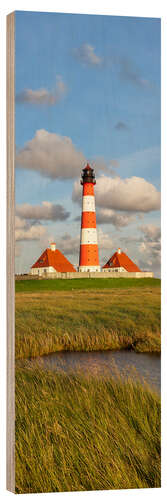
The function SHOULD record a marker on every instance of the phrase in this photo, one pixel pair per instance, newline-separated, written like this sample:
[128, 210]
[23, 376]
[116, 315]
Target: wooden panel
[10, 254]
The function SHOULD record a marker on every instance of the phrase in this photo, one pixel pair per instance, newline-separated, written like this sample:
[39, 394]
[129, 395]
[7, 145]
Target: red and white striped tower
[89, 256]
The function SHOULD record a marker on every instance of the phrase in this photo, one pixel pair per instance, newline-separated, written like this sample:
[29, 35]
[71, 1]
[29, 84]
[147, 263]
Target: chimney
[119, 250]
[53, 247]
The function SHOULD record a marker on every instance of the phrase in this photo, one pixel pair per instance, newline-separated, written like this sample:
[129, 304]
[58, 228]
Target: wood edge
[10, 111]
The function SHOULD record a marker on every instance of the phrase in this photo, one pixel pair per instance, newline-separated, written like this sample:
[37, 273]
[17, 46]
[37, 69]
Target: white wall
[42, 270]
[114, 269]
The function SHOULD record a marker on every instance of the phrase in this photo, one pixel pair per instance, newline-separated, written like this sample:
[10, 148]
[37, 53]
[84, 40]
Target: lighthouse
[89, 255]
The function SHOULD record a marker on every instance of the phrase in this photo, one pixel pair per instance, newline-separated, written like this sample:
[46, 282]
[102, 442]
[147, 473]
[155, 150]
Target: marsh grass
[87, 320]
[79, 432]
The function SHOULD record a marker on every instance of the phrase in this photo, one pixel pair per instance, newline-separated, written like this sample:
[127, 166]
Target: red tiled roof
[55, 259]
[121, 260]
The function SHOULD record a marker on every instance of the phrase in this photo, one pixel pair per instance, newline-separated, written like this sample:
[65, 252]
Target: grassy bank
[84, 284]
[77, 433]
[87, 320]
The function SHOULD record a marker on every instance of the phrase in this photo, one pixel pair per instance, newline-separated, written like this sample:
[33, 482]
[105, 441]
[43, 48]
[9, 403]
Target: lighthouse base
[87, 269]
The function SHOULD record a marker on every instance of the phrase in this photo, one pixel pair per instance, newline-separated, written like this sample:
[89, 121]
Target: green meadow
[40, 285]
[83, 315]
[75, 433]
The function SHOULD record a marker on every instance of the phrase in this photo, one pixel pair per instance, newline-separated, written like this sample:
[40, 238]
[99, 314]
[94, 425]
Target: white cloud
[25, 231]
[69, 245]
[30, 233]
[109, 216]
[150, 247]
[151, 232]
[43, 96]
[52, 155]
[134, 194]
[46, 211]
[56, 157]
[104, 240]
[19, 223]
[86, 54]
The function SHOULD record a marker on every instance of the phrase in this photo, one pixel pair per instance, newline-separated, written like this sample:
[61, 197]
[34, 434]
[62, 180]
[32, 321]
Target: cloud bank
[25, 231]
[69, 245]
[46, 211]
[133, 194]
[55, 156]
[150, 247]
[43, 96]
[51, 155]
[104, 240]
[108, 216]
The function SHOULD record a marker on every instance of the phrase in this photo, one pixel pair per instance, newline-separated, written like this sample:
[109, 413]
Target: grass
[77, 433]
[87, 320]
[43, 285]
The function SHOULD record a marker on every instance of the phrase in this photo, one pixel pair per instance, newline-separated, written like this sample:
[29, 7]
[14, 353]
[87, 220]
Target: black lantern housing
[88, 175]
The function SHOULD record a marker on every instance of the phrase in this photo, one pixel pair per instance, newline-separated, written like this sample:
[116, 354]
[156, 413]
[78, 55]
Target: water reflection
[126, 363]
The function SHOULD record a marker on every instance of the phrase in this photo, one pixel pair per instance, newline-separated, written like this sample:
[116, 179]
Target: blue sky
[100, 81]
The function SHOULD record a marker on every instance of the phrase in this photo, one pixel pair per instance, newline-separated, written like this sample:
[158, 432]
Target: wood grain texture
[10, 473]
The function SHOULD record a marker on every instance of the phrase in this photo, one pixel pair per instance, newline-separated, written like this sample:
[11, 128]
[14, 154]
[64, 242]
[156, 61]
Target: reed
[77, 433]
[87, 320]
